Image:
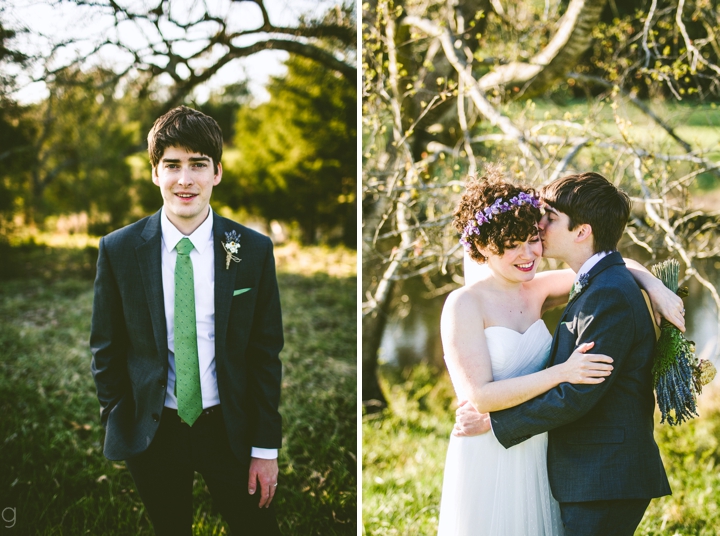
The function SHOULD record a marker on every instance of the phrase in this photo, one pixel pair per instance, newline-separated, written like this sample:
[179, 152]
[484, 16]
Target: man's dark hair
[187, 128]
[590, 198]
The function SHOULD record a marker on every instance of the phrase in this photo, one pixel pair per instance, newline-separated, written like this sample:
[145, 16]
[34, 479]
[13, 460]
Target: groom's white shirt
[204, 282]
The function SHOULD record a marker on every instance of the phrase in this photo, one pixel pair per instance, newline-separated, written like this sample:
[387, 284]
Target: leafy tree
[14, 131]
[80, 143]
[297, 152]
[85, 139]
[223, 106]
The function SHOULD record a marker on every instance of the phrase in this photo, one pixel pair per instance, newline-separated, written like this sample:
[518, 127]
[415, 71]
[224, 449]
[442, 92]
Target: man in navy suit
[186, 335]
[603, 463]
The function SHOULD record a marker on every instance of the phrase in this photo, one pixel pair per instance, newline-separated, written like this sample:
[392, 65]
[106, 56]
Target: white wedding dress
[492, 491]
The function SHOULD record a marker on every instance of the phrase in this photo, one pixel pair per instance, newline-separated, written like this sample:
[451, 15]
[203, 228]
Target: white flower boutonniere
[231, 247]
[579, 286]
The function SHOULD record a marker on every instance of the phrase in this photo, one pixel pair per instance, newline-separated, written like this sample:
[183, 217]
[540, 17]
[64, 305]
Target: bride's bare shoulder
[461, 315]
[467, 299]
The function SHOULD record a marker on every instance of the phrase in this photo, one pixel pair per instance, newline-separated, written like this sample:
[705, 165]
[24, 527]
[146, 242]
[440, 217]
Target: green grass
[696, 123]
[53, 472]
[404, 455]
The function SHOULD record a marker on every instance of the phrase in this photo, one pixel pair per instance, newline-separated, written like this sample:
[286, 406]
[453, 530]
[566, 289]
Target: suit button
[155, 417]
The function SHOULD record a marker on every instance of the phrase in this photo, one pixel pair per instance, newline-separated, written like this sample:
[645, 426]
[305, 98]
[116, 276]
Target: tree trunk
[375, 319]
[308, 230]
[373, 327]
[350, 228]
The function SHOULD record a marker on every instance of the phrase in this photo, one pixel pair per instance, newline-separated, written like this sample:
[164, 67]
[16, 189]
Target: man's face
[556, 237]
[186, 180]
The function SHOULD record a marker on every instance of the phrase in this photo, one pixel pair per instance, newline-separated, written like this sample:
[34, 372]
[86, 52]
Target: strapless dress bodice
[516, 354]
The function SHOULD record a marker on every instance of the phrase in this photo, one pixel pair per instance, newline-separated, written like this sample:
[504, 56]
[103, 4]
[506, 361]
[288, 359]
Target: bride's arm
[665, 303]
[555, 285]
[468, 361]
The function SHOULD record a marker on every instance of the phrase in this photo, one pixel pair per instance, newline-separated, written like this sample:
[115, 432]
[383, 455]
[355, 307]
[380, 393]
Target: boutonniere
[579, 286]
[231, 247]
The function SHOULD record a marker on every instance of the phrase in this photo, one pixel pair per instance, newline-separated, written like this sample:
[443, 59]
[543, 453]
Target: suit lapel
[224, 278]
[149, 257]
[604, 263]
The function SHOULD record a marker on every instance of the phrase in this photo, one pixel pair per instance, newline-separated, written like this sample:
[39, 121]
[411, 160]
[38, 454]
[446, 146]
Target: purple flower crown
[498, 207]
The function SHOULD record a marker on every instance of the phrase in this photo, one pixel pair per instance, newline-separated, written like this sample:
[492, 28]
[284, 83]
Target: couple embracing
[551, 440]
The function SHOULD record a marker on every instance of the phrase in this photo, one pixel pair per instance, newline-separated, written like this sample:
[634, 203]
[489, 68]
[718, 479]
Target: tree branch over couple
[571, 448]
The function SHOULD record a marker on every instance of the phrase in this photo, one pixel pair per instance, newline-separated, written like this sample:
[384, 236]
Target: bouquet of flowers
[678, 374]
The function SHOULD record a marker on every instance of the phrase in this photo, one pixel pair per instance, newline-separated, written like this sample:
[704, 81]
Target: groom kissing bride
[568, 446]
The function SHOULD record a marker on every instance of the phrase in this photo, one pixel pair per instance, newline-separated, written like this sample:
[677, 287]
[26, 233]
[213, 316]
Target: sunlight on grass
[54, 240]
[404, 455]
[290, 257]
[54, 472]
[296, 259]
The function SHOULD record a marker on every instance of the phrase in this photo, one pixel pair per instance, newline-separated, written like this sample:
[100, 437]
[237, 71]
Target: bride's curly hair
[516, 225]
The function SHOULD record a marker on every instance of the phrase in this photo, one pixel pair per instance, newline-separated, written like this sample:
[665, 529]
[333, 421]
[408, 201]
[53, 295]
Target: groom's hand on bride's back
[470, 422]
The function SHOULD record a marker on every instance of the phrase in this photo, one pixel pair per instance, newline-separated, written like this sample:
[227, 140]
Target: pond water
[412, 334]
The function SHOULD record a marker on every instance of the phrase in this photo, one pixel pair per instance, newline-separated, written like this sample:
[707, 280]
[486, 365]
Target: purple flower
[497, 207]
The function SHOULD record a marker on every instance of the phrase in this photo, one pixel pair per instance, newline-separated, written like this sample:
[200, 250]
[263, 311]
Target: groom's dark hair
[590, 198]
[187, 128]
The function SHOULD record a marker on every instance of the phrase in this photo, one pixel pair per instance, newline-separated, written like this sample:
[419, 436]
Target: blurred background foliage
[305, 171]
[76, 160]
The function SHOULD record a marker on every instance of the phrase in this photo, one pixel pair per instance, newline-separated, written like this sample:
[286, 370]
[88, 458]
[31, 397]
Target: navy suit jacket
[600, 441]
[129, 338]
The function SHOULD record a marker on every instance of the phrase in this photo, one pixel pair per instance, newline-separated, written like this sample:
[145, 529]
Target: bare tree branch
[187, 50]
[475, 92]
[692, 51]
[570, 41]
[638, 103]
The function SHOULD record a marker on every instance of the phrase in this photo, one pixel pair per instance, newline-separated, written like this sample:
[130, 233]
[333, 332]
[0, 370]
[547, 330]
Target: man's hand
[266, 473]
[469, 422]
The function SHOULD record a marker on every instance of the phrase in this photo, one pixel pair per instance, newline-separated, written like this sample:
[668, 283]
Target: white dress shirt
[588, 264]
[203, 262]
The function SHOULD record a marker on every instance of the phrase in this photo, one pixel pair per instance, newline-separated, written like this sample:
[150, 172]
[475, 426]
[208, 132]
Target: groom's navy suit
[130, 346]
[600, 441]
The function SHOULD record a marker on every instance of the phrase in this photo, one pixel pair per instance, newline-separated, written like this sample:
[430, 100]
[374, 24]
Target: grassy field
[404, 455]
[54, 478]
[696, 123]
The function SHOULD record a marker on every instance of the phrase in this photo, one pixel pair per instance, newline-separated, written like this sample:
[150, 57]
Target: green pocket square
[240, 291]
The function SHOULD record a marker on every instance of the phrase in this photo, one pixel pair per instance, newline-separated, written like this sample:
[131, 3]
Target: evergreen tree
[298, 153]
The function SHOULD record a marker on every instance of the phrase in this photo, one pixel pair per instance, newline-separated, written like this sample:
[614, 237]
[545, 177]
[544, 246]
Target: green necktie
[187, 369]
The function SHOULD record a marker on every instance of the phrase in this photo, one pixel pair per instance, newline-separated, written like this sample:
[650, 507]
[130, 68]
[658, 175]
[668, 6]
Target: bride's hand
[582, 367]
[668, 305]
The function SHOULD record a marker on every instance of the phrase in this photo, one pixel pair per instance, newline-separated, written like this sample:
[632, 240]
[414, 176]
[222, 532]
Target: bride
[496, 349]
